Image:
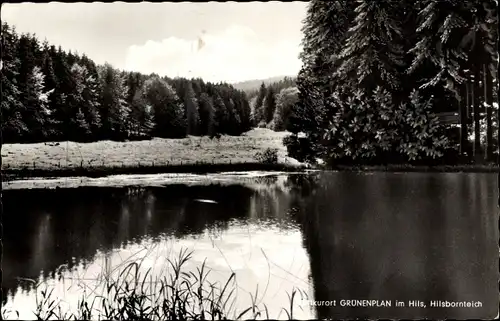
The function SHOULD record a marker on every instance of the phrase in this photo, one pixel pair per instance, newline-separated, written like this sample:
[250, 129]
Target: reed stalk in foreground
[180, 295]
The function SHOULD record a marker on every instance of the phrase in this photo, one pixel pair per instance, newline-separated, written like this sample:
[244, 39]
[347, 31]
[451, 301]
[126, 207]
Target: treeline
[377, 74]
[271, 105]
[49, 94]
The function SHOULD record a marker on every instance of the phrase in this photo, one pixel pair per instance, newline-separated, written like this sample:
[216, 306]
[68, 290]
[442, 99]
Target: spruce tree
[12, 124]
[258, 111]
[192, 114]
[36, 102]
[373, 53]
[168, 109]
[324, 32]
[115, 109]
[61, 92]
[221, 115]
[141, 116]
[207, 115]
[269, 105]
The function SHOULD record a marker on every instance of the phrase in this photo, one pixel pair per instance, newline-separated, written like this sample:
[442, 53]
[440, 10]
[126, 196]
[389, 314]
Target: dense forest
[49, 94]
[381, 82]
[271, 105]
[378, 76]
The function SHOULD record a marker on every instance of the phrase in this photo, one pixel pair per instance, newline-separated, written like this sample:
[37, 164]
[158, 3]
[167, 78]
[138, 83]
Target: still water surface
[335, 236]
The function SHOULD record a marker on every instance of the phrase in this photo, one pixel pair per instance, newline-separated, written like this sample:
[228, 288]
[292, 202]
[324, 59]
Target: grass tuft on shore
[179, 295]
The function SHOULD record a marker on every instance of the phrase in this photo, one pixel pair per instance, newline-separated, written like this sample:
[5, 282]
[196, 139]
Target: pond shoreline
[398, 168]
[10, 174]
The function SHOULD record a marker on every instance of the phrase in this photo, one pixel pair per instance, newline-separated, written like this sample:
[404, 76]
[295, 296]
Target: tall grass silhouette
[178, 294]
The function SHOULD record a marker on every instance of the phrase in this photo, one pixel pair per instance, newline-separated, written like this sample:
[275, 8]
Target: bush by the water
[268, 156]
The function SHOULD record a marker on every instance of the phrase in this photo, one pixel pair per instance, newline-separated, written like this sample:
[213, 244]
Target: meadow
[52, 156]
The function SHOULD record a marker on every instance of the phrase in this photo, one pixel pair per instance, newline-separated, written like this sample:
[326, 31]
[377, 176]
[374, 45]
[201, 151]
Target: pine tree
[192, 114]
[114, 107]
[47, 67]
[59, 96]
[168, 110]
[74, 101]
[325, 30]
[269, 105]
[373, 53]
[82, 129]
[285, 100]
[234, 120]
[36, 49]
[258, 112]
[455, 39]
[207, 115]
[141, 116]
[12, 124]
[91, 97]
[221, 115]
[244, 111]
[84, 98]
[437, 44]
[479, 43]
[36, 105]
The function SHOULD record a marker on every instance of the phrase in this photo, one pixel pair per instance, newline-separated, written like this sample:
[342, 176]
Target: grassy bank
[179, 294]
[192, 154]
[195, 168]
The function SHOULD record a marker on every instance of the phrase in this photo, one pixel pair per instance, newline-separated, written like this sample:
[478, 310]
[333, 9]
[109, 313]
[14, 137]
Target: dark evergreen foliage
[376, 73]
[52, 94]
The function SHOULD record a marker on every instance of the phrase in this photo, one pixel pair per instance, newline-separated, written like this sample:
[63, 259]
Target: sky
[228, 41]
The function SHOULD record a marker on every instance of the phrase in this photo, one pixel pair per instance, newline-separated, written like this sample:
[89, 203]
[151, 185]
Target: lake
[340, 236]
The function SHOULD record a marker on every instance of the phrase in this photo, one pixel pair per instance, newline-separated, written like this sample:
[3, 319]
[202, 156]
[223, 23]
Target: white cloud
[234, 55]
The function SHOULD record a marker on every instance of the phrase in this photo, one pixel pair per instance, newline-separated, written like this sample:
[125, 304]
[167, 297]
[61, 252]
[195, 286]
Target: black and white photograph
[250, 160]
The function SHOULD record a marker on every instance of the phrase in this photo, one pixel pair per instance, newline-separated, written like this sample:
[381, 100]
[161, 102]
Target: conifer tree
[36, 105]
[324, 32]
[115, 109]
[141, 116]
[221, 114]
[192, 114]
[258, 113]
[285, 100]
[207, 115]
[373, 53]
[168, 110]
[12, 124]
[269, 105]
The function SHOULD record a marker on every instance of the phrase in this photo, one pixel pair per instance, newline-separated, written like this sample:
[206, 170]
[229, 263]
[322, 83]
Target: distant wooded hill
[252, 86]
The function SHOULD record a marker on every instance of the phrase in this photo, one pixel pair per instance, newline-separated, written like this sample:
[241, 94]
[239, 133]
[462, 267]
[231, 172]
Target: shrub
[268, 156]
[299, 148]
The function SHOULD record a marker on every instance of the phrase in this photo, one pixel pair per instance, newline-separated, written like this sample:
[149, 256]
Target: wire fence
[141, 163]
[74, 162]
[144, 167]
